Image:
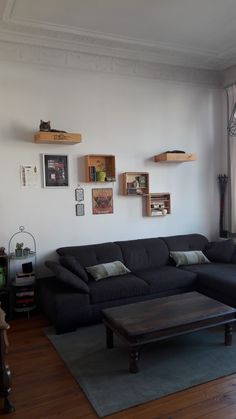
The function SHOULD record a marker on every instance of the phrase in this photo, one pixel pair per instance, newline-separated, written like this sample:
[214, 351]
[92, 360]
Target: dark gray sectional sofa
[72, 298]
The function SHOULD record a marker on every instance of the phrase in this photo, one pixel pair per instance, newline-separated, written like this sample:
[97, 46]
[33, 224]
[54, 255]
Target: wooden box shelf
[135, 183]
[45, 137]
[100, 168]
[157, 204]
[175, 157]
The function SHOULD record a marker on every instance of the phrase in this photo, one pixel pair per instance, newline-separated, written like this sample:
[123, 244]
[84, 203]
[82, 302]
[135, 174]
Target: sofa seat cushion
[144, 253]
[117, 287]
[217, 276]
[167, 278]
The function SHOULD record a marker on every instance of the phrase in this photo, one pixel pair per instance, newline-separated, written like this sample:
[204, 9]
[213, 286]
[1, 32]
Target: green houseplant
[19, 249]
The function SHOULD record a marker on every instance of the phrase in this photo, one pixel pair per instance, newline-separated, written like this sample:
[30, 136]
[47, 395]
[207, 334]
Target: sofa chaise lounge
[89, 278]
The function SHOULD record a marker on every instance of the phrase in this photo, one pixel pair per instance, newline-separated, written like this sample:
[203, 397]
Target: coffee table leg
[133, 359]
[109, 337]
[228, 334]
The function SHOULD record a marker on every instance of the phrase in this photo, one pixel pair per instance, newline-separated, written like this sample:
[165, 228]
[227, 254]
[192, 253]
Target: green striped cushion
[107, 269]
[189, 258]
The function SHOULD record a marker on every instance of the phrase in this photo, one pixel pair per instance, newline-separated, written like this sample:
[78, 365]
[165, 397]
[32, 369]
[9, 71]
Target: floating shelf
[44, 137]
[175, 157]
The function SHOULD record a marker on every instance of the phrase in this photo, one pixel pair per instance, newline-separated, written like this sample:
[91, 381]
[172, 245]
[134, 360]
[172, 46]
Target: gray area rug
[165, 367]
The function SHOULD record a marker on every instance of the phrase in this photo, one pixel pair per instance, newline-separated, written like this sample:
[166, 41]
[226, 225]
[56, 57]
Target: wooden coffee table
[149, 321]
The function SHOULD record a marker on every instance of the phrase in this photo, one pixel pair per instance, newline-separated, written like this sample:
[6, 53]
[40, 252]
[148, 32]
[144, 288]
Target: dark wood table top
[167, 315]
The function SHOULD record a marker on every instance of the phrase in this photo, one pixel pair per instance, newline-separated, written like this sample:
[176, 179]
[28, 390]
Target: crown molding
[83, 59]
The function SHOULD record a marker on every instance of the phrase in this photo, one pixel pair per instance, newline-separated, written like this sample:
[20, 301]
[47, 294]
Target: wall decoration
[79, 209]
[55, 171]
[79, 194]
[29, 176]
[102, 201]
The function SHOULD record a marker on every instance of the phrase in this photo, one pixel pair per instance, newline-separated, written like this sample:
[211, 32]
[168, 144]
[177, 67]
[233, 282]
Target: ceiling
[193, 33]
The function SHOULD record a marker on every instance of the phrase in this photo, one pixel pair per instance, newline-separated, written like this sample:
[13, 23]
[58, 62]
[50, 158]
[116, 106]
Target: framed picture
[79, 209]
[102, 201]
[79, 194]
[55, 171]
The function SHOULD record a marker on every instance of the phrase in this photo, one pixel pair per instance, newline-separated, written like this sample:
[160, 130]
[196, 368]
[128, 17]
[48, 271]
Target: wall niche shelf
[100, 168]
[135, 183]
[175, 157]
[47, 137]
[157, 204]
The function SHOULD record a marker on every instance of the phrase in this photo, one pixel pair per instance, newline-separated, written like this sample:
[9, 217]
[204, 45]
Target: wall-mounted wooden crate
[96, 164]
[157, 204]
[135, 183]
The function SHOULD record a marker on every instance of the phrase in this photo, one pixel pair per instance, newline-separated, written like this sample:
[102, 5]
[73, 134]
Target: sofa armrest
[67, 278]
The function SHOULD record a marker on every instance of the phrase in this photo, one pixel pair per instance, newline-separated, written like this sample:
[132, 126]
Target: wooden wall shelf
[100, 168]
[135, 183]
[157, 204]
[175, 157]
[44, 137]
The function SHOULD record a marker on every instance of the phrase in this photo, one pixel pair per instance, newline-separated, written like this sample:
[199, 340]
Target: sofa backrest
[186, 242]
[93, 254]
[144, 253]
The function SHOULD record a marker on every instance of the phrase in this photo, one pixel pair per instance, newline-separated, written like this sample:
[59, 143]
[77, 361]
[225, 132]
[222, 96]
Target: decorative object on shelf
[19, 249]
[55, 171]
[222, 180]
[177, 156]
[102, 201]
[135, 183]
[100, 168]
[21, 276]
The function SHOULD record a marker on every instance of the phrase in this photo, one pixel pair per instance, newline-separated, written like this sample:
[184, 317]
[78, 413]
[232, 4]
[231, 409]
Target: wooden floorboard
[42, 387]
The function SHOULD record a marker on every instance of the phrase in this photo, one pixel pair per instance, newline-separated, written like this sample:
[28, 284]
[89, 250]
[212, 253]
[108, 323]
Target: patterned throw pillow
[189, 258]
[107, 269]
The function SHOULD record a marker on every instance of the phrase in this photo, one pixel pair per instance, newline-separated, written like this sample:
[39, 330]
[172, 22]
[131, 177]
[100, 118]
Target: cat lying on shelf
[46, 126]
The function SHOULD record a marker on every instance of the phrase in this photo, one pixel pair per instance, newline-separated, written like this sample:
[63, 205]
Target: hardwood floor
[42, 387]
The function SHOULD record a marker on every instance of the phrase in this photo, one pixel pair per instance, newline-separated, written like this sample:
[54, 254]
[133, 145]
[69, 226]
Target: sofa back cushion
[186, 242]
[93, 254]
[144, 253]
[220, 251]
[72, 264]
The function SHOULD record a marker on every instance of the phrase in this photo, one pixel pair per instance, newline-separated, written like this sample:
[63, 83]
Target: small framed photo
[79, 194]
[79, 209]
[55, 171]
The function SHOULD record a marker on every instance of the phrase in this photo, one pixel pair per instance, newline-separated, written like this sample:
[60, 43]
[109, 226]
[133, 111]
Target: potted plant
[19, 249]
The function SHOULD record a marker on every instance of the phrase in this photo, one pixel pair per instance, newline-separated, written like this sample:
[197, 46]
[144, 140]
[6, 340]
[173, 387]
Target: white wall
[130, 117]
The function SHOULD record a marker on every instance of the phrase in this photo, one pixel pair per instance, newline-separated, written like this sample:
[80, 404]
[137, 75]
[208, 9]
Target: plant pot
[18, 253]
[101, 176]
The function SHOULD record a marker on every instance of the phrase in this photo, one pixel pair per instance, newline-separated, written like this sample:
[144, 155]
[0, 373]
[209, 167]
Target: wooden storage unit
[48, 137]
[135, 183]
[175, 157]
[100, 168]
[157, 204]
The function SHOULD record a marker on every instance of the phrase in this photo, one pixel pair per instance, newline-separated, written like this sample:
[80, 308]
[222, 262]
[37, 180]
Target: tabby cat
[46, 126]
